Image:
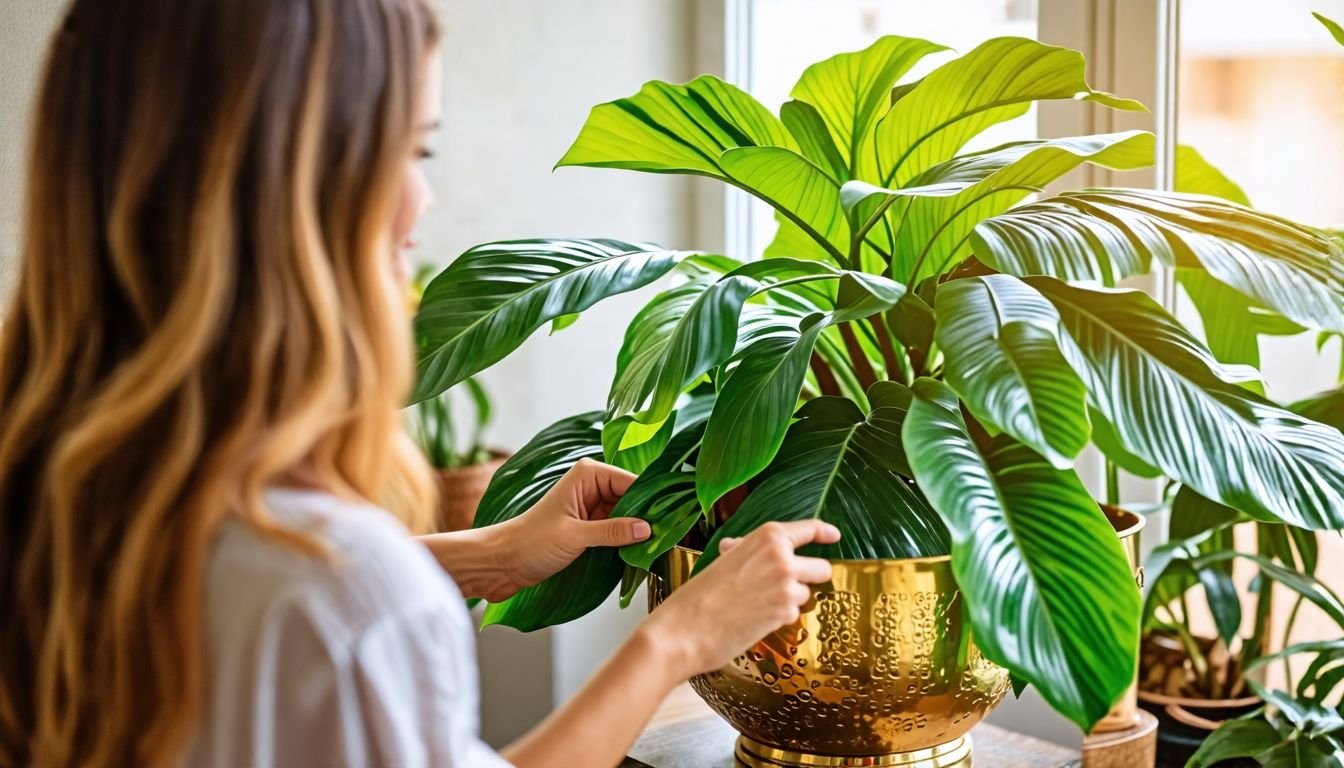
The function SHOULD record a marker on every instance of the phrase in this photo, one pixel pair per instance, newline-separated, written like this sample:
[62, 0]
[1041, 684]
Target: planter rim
[1116, 516]
[1188, 701]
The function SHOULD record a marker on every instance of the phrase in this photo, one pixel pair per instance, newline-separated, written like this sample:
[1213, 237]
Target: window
[784, 36]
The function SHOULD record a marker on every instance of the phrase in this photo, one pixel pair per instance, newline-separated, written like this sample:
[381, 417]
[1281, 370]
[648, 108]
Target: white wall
[25, 26]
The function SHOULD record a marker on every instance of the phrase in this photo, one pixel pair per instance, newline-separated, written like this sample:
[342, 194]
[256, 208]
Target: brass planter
[880, 669]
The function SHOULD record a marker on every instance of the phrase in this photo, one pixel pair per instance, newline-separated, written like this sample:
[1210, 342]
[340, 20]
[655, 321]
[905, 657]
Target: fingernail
[832, 529]
[641, 530]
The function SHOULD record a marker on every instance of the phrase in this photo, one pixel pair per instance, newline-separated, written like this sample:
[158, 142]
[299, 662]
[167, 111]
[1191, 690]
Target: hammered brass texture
[880, 664]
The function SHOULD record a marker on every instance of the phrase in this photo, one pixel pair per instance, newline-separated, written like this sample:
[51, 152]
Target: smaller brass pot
[880, 670]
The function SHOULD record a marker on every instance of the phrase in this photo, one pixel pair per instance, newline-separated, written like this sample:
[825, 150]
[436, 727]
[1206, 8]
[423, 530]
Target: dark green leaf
[518, 485]
[1192, 514]
[1000, 342]
[1233, 739]
[753, 410]
[1051, 595]
[664, 495]
[837, 465]
[1224, 602]
[1171, 404]
[494, 296]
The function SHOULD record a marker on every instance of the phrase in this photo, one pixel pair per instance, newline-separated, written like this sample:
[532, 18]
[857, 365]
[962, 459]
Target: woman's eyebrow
[431, 125]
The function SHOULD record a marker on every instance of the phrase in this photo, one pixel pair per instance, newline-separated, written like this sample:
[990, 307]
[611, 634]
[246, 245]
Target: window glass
[788, 35]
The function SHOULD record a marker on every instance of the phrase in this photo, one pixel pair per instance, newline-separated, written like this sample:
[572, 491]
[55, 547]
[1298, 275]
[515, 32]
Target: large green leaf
[1050, 594]
[850, 91]
[996, 81]
[684, 333]
[932, 232]
[1173, 405]
[488, 301]
[664, 495]
[1000, 342]
[795, 186]
[518, 485]
[673, 341]
[753, 410]
[1111, 234]
[842, 466]
[675, 129]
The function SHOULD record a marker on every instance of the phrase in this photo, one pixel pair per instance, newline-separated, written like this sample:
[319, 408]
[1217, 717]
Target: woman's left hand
[573, 516]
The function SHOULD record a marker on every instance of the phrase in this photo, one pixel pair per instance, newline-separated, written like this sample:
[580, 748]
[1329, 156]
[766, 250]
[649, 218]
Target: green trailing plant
[436, 423]
[921, 354]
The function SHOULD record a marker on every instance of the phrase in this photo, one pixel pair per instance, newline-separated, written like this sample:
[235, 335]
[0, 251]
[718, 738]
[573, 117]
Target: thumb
[616, 531]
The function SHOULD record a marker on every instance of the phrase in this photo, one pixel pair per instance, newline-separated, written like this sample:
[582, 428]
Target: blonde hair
[205, 308]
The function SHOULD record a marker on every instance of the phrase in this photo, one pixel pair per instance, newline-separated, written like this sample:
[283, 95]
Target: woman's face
[416, 196]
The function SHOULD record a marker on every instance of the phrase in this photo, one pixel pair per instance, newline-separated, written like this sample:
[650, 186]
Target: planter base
[953, 754]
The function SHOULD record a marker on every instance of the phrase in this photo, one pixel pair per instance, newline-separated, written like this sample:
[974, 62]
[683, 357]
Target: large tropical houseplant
[920, 355]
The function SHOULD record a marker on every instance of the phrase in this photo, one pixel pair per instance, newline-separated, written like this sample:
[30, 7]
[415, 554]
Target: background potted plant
[954, 348]
[1218, 682]
[450, 430]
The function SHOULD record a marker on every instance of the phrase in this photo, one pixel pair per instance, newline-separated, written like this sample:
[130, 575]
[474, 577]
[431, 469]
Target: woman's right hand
[757, 585]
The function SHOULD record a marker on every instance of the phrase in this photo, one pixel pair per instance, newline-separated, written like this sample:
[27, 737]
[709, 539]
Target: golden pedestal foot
[953, 754]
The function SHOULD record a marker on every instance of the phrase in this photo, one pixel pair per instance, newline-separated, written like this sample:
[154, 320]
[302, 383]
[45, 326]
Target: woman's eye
[425, 153]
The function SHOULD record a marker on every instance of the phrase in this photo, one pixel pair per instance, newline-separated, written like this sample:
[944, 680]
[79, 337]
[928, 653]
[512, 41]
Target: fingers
[616, 532]
[800, 532]
[598, 486]
[812, 570]
[727, 543]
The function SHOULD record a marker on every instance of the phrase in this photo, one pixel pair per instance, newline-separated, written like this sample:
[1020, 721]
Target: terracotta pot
[460, 492]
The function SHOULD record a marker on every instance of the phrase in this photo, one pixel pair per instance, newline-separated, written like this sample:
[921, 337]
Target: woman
[200, 375]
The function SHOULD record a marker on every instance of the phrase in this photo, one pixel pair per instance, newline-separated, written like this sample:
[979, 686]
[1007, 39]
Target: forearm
[599, 724]
[479, 560]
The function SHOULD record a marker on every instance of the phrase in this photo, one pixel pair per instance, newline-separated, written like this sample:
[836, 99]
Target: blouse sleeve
[417, 684]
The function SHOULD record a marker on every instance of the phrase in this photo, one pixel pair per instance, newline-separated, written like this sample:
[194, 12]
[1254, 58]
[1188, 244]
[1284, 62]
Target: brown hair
[205, 307]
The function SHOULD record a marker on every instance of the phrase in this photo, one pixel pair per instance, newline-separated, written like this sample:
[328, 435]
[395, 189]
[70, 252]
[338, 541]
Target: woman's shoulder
[371, 567]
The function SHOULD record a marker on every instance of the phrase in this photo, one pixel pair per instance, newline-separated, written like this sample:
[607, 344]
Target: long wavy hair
[206, 307]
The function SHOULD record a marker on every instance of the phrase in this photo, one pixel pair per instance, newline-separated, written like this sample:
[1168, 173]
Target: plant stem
[826, 380]
[1287, 632]
[889, 357]
[863, 369]
[1112, 483]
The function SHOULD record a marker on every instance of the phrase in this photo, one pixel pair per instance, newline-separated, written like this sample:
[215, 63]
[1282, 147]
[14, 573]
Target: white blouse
[366, 658]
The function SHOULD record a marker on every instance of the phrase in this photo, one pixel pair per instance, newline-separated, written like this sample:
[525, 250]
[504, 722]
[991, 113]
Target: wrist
[479, 560]
[667, 640]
